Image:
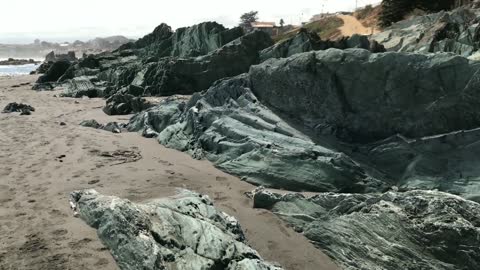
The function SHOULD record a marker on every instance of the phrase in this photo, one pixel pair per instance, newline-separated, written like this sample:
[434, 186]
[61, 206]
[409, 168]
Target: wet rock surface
[411, 230]
[181, 232]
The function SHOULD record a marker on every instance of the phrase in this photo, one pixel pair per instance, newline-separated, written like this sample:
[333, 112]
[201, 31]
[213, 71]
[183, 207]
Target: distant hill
[38, 49]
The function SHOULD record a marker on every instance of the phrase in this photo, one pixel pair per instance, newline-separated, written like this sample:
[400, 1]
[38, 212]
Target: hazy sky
[58, 20]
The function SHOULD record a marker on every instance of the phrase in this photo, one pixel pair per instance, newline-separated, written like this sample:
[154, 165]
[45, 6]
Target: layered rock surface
[393, 230]
[305, 41]
[447, 31]
[320, 121]
[182, 232]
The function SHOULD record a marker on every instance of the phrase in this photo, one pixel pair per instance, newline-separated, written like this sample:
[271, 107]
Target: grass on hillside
[326, 28]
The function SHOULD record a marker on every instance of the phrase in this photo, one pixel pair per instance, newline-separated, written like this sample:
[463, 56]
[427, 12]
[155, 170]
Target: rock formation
[183, 232]
[166, 62]
[303, 123]
[447, 31]
[393, 230]
[305, 41]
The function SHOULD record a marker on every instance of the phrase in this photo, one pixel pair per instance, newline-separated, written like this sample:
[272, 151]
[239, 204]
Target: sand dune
[42, 161]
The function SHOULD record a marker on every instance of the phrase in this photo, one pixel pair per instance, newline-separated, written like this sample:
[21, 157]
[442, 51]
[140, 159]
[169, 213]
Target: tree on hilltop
[248, 18]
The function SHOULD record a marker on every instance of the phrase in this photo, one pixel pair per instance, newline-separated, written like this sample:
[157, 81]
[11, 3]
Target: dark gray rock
[305, 41]
[170, 76]
[202, 39]
[83, 86]
[157, 118]
[183, 232]
[361, 97]
[304, 123]
[412, 230]
[113, 127]
[122, 104]
[44, 86]
[182, 62]
[56, 70]
[24, 109]
[230, 127]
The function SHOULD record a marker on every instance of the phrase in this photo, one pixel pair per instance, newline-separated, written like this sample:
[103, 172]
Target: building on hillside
[268, 27]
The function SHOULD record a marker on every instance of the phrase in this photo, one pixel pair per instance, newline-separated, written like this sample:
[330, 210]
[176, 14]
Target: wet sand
[42, 161]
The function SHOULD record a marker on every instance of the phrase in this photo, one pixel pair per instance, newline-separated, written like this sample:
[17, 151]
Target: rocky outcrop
[181, 232]
[454, 31]
[155, 119]
[304, 123]
[393, 230]
[305, 41]
[55, 71]
[124, 103]
[202, 39]
[17, 62]
[182, 62]
[186, 76]
[83, 86]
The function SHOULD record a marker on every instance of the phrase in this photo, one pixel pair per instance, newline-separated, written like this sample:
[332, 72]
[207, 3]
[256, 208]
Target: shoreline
[35, 214]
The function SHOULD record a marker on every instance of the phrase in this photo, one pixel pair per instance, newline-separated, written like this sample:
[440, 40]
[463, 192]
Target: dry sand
[353, 26]
[37, 229]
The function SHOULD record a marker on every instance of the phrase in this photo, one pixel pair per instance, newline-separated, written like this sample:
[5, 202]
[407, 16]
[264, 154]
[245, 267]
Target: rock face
[304, 123]
[230, 127]
[182, 232]
[455, 31]
[305, 41]
[124, 103]
[412, 230]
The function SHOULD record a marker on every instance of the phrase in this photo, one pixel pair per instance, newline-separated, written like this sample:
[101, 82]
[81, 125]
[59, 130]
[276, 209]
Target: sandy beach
[41, 162]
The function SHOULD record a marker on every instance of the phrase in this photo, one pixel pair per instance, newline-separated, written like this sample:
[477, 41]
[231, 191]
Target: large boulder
[55, 71]
[185, 232]
[393, 230]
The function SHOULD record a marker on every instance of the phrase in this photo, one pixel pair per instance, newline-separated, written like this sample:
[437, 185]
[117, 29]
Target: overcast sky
[59, 20]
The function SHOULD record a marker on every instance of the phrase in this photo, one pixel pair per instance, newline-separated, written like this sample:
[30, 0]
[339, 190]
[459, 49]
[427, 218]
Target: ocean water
[17, 70]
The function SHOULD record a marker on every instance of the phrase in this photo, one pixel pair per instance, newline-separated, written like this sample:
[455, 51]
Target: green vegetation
[247, 18]
[326, 28]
